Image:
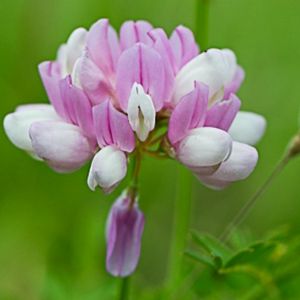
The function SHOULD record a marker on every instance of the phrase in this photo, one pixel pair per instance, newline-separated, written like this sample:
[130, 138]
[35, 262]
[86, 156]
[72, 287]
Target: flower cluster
[115, 97]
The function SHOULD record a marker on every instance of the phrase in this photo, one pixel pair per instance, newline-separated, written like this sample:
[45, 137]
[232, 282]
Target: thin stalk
[136, 167]
[182, 209]
[202, 20]
[132, 192]
[124, 289]
[248, 206]
[181, 222]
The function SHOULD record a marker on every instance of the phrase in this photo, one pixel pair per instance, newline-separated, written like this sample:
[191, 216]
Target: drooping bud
[125, 225]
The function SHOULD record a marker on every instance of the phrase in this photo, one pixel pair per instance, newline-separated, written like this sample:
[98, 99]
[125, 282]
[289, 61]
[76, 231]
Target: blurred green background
[52, 226]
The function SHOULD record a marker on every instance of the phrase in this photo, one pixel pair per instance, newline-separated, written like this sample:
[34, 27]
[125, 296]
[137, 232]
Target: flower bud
[125, 225]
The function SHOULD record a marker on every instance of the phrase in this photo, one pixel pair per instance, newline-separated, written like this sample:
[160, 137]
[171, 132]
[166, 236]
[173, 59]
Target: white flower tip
[69, 52]
[215, 68]
[16, 125]
[248, 127]
[141, 112]
[108, 168]
[92, 183]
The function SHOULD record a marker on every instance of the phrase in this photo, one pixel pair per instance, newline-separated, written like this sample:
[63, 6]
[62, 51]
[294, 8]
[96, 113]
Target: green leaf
[213, 246]
[255, 253]
[202, 258]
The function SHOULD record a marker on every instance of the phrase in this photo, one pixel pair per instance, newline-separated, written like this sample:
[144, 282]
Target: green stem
[202, 19]
[181, 222]
[136, 167]
[293, 149]
[182, 209]
[132, 192]
[245, 210]
[124, 289]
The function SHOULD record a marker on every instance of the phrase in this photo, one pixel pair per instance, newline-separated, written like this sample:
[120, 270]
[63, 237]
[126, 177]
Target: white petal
[248, 127]
[62, 145]
[215, 68]
[17, 124]
[141, 112]
[241, 163]
[68, 53]
[108, 168]
[204, 147]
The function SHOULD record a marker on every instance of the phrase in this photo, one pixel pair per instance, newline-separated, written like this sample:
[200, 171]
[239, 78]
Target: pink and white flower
[109, 93]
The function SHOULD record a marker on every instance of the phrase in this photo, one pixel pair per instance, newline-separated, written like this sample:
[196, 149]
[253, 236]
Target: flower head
[140, 92]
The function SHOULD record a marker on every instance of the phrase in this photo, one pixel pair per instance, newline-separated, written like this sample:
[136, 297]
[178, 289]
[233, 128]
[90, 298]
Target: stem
[124, 289]
[133, 187]
[245, 210]
[181, 222]
[182, 209]
[202, 19]
[132, 192]
[157, 139]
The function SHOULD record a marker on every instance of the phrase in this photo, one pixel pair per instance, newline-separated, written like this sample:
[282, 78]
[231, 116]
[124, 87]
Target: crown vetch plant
[115, 98]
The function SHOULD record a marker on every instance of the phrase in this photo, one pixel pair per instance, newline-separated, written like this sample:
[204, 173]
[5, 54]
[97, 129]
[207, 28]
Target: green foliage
[264, 269]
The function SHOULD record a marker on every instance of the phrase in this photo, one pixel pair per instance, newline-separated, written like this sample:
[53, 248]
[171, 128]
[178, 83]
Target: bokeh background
[52, 226]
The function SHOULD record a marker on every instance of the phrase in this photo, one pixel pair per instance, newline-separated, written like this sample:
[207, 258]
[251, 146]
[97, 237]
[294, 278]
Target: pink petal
[124, 231]
[67, 99]
[112, 127]
[49, 72]
[103, 45]
[189, 113]
[222, 114]
[133, 32]
[91, 79]
[163, 47]
[184, 46]
[143, 65]
[78, 106]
